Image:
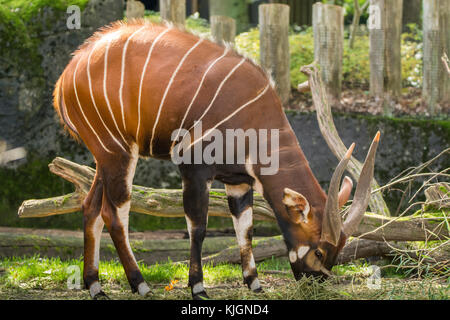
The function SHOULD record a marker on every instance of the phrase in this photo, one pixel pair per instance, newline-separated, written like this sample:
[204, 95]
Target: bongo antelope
[124, 93]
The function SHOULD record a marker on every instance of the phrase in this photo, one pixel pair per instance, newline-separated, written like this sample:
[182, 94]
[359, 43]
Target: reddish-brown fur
[159, 103]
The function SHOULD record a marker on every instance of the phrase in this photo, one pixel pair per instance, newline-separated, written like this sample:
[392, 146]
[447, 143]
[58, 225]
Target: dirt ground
[358, 101]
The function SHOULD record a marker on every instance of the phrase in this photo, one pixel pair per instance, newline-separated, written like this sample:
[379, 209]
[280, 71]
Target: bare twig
[331, 135]
[446, 62]
[356, 17]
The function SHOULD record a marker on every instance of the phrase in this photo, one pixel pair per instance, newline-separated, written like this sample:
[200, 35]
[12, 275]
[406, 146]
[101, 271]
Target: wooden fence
[384, 24]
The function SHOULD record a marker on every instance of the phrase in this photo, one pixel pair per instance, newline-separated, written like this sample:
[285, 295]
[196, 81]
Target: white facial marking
[292, 256]
[94, 289]
[255, 285]
[197, 288]
[302, 251]
[143, 289]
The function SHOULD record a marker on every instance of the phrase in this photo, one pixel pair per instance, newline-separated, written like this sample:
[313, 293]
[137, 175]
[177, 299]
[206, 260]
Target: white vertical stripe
[167, 90]
[81, 109]
[216, 95]
[231, 115]
[88, 69]
[196, 94]
[220, 88]
[105, 74]
[66, 113]
[142, 80]
[122, 75]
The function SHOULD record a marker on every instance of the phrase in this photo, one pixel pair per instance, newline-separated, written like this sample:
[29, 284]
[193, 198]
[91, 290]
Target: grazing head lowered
[321, 232]
[133, 89]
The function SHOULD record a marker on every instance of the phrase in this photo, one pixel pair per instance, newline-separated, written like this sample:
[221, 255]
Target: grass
[46, 278]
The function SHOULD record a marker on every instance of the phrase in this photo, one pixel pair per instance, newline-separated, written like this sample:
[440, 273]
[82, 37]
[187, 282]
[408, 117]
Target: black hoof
[200, 296]
[101, 296]
[258, 290]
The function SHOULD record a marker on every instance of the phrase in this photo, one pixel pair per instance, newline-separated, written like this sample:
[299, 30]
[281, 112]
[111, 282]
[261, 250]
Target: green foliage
[247, 43]
[356, 63]
[193, 23]
[47, 278]
[301, 47]
[412, 56]
[198, 25]
[20, 33]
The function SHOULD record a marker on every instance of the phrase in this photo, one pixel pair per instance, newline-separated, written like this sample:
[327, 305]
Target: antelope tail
[60, 107]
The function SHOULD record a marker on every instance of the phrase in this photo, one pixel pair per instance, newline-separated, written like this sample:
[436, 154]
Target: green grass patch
[46, 278]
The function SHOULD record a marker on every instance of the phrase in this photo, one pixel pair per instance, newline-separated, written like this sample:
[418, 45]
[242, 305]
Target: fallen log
[169, 203]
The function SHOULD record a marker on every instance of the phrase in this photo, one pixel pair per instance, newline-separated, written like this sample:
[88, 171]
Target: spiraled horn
[362, 193]
[332, 224]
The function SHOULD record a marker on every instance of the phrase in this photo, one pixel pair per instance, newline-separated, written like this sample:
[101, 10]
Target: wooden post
[194, 6]
[173, 11]
[135, 9]
[328, 27]
[411, 13]
[436, 41]
[223, 29]
[385, 25]
[236, 9]
[274, 46]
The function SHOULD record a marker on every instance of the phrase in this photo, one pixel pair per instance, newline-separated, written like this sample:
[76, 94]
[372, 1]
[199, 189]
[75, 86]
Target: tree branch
[169, 203]
[331, 136]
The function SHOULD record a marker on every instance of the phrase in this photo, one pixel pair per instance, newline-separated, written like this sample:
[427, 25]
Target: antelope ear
[298, 206]
[346, 190]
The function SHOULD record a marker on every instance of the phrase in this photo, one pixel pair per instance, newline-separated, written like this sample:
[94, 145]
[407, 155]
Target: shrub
[356, 63]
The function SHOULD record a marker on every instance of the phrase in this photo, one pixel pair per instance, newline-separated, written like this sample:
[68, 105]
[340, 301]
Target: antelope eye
[318, 254]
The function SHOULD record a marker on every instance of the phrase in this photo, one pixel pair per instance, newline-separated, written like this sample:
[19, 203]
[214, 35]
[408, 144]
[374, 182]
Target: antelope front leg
[195, 201]
[240, 201]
